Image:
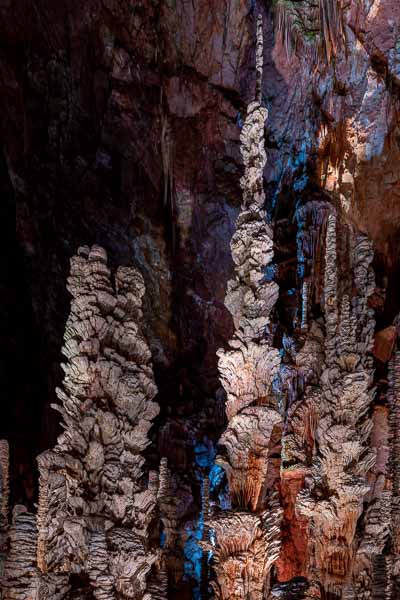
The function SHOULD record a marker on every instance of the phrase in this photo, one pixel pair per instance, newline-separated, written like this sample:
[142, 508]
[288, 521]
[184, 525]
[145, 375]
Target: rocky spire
[4, 493]
[339, 485]
[245, 546]
[21, 576]
[94, 504]
[394, 407]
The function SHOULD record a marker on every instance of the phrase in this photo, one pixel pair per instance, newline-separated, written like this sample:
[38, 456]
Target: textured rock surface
[121, 126]
[94, 506]
[247, 543]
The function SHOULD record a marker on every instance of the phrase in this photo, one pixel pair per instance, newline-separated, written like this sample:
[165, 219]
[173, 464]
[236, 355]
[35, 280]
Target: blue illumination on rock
[216, 476]
[239, 120]
[300, 183]
[204, 452]
[193, 552]
[270, 272]
[163, 538]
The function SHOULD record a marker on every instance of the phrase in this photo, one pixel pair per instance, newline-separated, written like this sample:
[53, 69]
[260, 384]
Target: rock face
[125, 125]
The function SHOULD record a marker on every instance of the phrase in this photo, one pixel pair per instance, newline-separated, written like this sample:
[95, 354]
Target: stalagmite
[301, 498]
[247, 542]
[4, 493]
[247, 546]
[205, 504]
[394, 404]
[334, 501]
[43, 507]
[21, 577]
[94, 509]
[304, 306]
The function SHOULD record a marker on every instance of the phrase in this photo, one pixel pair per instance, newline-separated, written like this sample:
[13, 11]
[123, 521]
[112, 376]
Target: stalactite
[94, 510]
[316, 27]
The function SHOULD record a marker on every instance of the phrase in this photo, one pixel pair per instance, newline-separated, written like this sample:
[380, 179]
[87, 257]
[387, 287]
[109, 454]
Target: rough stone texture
[384, 343]
[4, 498]
[94, 508]
[244, 552]
[121, 127]
[21, 576]
[334, 501]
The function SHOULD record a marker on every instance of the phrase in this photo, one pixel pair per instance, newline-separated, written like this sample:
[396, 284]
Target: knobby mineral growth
[247, 537]
[336, 477]
[4, 494]
[94, 505]
[315, 412]
[311, 451]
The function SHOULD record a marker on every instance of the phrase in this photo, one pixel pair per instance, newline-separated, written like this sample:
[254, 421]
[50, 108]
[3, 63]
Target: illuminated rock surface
[249, 179]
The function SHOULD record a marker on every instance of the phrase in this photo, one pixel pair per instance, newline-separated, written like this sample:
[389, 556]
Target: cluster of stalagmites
[95, 506]
[330, 432]
[337, 483]
[247, 536]
[307, 423]
[306, 427]
[4, 493]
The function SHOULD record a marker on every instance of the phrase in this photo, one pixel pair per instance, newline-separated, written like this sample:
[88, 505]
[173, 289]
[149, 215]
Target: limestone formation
[303, 500]
[4, 494]
[316, 27]
[247, 542]
[21, 580]
[94, 506]
[333, 500]
[247, 546]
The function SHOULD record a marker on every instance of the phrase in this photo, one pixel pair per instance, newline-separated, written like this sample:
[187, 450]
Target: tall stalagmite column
[94, 506]
[337, 483]
[247, 537]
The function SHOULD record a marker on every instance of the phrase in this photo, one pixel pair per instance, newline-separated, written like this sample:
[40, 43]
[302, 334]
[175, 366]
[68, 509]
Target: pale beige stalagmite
[4, 495]
[94, 508]
[394, 407]
[22, 579]
[42, 509]
[247, 538]
[334, 496]
[167, 504]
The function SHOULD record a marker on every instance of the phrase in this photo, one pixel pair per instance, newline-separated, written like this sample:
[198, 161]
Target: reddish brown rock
[384, 343]
[292, 560]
